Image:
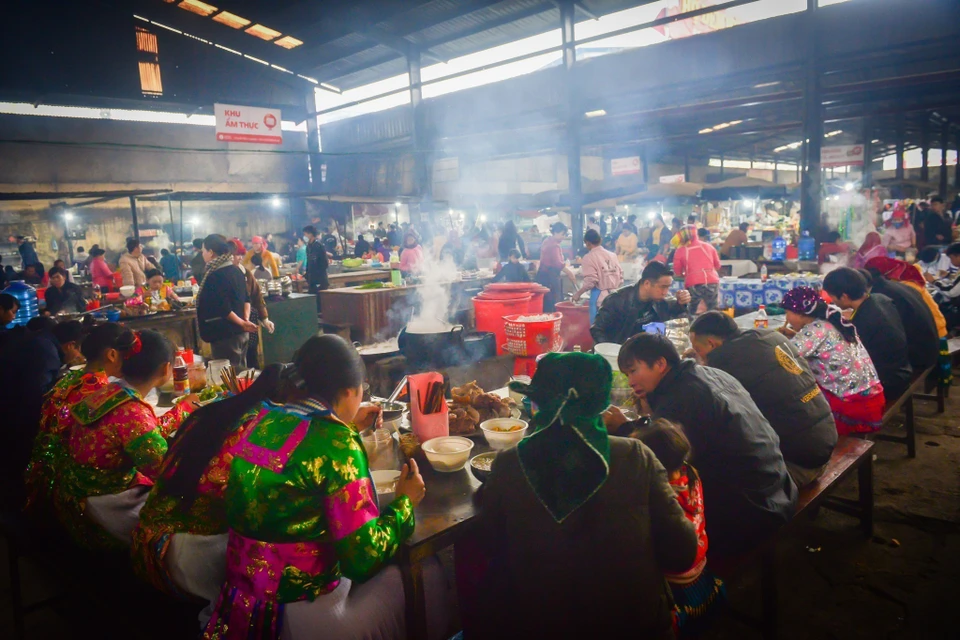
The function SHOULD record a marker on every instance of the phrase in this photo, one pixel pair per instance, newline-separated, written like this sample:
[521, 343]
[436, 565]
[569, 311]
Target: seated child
[698, 594]
[513, 271]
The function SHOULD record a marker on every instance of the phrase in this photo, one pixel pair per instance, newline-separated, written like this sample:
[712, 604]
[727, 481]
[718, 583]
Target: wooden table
[352, 278]
[447, 514]
[376, 314]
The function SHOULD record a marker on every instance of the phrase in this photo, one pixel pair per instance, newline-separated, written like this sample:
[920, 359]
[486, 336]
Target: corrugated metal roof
[452, 28]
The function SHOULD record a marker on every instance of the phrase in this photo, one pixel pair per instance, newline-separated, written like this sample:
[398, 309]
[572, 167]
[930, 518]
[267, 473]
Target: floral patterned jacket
[115, 442]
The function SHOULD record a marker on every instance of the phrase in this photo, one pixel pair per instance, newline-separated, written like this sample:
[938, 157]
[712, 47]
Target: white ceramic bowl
[448, 453]
[609, 351]
[127, 291]
[385, 482]
[500, 440]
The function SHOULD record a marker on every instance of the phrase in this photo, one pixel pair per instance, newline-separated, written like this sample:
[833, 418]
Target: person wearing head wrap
[699, 264]
[900, 234]
[411, 256]
[872, 247]
[923, 321]
[260, 249]
[838, 359]
[571, 515]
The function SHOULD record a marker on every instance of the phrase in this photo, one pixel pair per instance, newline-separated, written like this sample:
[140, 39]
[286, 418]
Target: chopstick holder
[427, 426]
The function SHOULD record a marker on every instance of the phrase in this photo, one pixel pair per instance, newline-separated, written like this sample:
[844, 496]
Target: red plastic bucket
[503, 290]
[490, 312]
[575, 327]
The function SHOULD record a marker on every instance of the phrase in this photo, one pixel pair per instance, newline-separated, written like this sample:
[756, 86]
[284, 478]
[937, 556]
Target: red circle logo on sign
[270, 120]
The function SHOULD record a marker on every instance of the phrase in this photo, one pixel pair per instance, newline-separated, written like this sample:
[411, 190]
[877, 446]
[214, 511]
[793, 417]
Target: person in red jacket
[699, 264]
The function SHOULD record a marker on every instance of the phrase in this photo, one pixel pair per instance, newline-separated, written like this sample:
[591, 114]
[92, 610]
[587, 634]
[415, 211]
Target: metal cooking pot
[432, 348]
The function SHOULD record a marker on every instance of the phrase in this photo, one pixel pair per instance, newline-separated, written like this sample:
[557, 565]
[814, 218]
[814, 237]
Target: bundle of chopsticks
[433, 403]
[236, 383]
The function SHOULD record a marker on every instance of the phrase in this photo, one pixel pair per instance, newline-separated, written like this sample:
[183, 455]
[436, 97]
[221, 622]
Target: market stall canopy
[655, 193]
[743, 187]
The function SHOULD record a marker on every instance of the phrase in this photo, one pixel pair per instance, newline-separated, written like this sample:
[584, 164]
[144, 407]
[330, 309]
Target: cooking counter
[374, 314]
[351, 278]
[180, 327]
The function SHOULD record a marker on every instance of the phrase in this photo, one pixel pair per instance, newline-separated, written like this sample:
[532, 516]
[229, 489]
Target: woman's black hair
[57, 271]
[96, 252]
[558, 227]
[592, 236]
[667, 442]
[152, 273]
[155, 351]
[217, 244]
[256, 260]
[132, 243]
[202, 435]
[109, 335]
[832, 314]
[328, 366]
[929, 254]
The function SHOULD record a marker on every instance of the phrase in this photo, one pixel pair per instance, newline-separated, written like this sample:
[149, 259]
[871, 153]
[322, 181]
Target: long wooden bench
[850, 454]
[905, 402]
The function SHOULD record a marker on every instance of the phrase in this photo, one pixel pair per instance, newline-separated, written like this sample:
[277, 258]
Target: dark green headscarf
[567, 459]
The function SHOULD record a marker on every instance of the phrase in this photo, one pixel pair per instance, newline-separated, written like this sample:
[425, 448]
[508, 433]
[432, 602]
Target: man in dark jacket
[626, 310]
[62, 295]
[28, 369]
[781, 384]
[923, 339]
[936, 228]
[197, 263]
[878, 325]
[747, 492]
[317, 262]
[28, 255]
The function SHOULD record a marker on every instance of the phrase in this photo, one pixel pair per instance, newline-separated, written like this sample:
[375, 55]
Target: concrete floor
[901, 585]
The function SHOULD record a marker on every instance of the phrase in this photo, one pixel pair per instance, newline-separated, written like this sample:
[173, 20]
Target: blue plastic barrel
[27, 297]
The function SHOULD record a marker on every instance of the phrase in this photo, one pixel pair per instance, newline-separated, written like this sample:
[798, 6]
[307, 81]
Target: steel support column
[421, 151]
[314, 160]
[810, 192]
[944, 142]
[956, 175]
[574, 112]
[867, 180]
[901, 146]
[133, 215]
[686, 167]
[925, 148]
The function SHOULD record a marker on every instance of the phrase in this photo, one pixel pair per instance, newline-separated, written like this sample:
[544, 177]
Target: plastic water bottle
[27, 297]
[761, 321]
[763, 273]
[181, 378]
[806, 247]
[779, 253]
[96, 292]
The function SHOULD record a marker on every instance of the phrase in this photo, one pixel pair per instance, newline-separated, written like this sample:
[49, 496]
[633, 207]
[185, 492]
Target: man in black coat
[878, 325]
[923, 339]
[747, 492]
[317, 262]
[780, 382]
[29, 367]
[626, 310]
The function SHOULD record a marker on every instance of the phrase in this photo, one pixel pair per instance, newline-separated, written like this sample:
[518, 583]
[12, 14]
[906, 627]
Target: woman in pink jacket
[411, 258]
[698, 263]
[601, 272]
